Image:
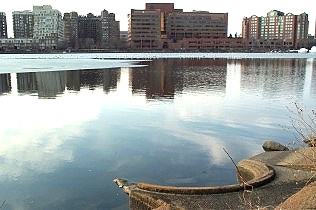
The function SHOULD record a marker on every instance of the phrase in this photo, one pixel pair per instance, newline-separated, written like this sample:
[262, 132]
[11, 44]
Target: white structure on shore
[303, 50]
[313, 49]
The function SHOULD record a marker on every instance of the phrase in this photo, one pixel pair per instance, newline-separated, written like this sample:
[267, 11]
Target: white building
[48, 26]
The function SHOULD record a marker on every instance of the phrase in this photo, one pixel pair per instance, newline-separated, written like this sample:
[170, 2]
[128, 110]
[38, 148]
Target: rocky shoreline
[278, 178]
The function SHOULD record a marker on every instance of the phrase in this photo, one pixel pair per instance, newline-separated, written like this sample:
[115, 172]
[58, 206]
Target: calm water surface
[65, 135]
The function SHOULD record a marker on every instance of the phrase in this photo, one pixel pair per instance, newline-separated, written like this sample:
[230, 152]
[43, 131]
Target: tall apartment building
[71, 21]
[89, 31]
[23, 24]
[98, 31]
[277, 30]
[3, 25]
[48, 26]
[302, 26]
[250, 27]
[162, 26]
[110, 30]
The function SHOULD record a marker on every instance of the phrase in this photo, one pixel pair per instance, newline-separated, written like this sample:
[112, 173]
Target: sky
[237, 9]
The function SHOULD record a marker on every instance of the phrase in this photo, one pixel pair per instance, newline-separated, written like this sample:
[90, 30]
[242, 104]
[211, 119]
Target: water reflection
[5, 83]
[93, 79]
[157, 80]
[164, 78]
[233, 78]
[52, 84]
[274, 77]
[45, 84]
[100, 126]
[27, 83]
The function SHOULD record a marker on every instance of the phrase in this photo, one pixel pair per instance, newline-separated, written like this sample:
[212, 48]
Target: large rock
[303, 199]
[311, 142]
[273, 146]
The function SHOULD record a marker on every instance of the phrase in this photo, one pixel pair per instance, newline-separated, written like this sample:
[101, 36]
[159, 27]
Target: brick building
[160, 26]
[144, 29]
[276, 31]
[197, 30]
[197, 24]
[165, 9]
[71, 30]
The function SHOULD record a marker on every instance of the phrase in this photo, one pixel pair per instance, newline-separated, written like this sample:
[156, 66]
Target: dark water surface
[65, 135]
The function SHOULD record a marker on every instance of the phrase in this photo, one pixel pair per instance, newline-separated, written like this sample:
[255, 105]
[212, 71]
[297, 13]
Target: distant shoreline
[159, 55]
[143, 51]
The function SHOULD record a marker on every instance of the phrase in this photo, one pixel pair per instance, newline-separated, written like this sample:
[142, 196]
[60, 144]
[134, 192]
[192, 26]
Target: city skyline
[236, 10]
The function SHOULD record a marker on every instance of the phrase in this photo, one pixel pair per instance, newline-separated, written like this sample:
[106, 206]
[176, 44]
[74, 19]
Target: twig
[246, 193]
[239, 173]
[3, 204]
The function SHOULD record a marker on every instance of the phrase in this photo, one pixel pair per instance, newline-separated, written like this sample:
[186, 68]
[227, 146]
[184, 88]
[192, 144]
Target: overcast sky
[236, 9]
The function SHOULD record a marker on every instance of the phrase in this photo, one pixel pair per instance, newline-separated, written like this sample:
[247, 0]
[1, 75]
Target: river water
[72, 123]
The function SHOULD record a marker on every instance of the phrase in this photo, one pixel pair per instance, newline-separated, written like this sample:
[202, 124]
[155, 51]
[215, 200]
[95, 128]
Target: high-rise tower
[3, 25]
[23, 24]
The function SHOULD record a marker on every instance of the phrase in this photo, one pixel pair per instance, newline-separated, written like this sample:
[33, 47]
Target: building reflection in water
[165, 78]
[310, 79]
[155, 80]
[27, 83]
[5, 83]
[93, 79]
[52, 84]
[269, 76]
[313, 86]
[233, 78]
[73, 80]
[45, 84]
[203, 74]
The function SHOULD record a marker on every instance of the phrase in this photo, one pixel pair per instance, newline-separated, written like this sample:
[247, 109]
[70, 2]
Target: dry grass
[304, 125]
